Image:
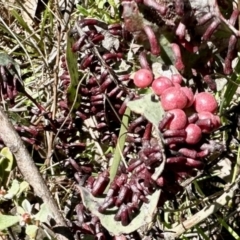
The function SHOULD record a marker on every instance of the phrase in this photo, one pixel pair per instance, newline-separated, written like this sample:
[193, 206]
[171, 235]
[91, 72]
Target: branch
[30, 172]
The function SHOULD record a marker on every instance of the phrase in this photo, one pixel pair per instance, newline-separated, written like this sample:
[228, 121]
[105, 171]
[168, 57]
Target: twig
[30, 172]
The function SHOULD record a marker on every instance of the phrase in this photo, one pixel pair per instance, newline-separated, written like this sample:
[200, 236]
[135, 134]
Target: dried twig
[31, 174]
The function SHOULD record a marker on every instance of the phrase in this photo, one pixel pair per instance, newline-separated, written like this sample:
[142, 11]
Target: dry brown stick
[29, 170]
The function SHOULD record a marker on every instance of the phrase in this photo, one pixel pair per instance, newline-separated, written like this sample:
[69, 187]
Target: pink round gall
[173, 98]
[194, 133]
[159, 85]
[143, 78]
[177, 85]
[205, 102]
[189, 94]
[179, 120]
[176, 78]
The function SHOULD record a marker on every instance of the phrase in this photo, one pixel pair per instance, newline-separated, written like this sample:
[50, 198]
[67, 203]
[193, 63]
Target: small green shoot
[120, 145]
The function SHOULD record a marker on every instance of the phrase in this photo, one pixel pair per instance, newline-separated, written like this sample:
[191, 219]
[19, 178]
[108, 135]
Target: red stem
[210, 30]
[154, 45]
[157, 6]
[178, 56]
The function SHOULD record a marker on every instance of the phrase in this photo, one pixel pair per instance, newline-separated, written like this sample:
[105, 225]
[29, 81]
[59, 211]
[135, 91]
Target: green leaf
[8, 155]
[234, 234]
[101, 4]
[231, 87]
[8, 221]
[25, 25]
[27, 206]
[23, 187]
[120, 145]
[72, 66]
[201, 233]
[13, 190]
[43, 214]
[31, 231]
[145, 216]
[16, 118]
[6, 164]
[167, 56]
[6, 60]
[20, 210]
[47, 18]
[20, 20]
[148, 106]
[112, 3]
[82, 10]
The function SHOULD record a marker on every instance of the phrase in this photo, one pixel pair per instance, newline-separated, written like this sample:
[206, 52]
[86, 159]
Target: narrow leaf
[72, 64]
[120, 145]
[6, 164]
[82, 10]
[231, 88]
[24, 24]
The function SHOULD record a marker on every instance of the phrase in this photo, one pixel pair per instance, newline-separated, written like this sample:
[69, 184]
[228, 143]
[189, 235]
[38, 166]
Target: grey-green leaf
[6, 164]
[14, 188]
[43, 214]
[8, 221]
[31, 231]
[22, 188]
[71, 59]
[145, 216]
[148, 106]
[27, 206]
